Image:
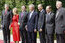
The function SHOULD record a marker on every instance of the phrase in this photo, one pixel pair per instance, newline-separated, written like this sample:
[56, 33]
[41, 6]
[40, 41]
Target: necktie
[57, 14]
[21, 15]
[5, 12]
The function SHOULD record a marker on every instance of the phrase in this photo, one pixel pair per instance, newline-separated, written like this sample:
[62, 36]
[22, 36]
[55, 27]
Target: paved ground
[1, 38]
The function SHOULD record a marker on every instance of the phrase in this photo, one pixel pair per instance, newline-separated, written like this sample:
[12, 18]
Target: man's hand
[64, 32]
[9, 27]
[35, 30]
[1, 26]
[26, 27]
[18, 23]
[40, 30]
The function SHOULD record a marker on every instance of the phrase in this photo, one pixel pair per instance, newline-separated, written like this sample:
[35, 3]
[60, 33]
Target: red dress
[15, 28]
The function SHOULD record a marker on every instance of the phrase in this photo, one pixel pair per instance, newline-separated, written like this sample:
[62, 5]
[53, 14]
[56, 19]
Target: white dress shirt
[57, 14]
[41, 10]
[31, 14]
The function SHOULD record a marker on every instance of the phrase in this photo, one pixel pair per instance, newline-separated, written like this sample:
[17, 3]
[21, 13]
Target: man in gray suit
[60, 22]
[22, 23]
[50, 24]
[5, 21]
[41, 23]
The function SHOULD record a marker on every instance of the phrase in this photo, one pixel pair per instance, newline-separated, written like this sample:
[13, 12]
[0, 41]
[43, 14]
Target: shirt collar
[32, 11]
[49, 13]
[41, 10]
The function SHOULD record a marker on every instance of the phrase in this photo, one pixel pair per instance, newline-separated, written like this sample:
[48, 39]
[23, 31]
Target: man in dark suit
[22, 23]
[41, 23]
[32, 24]
[50, 24]
[60, 22]
[6, 20]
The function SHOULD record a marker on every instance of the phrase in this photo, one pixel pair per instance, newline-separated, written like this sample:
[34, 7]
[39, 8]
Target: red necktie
[5, 12]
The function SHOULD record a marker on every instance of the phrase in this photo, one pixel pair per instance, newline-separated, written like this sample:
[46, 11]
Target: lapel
[51, 14]
[20, 15]
[58, 13]
[6, 14]
[24, 14]
[3, 12]
[28, 15]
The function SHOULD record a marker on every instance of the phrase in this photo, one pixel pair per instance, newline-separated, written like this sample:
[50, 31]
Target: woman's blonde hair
[15, 11]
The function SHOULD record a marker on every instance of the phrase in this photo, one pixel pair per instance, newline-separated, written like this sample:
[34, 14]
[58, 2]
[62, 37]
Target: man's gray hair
[32, 5]
[6, 5]
[40, 5]
[59, 2]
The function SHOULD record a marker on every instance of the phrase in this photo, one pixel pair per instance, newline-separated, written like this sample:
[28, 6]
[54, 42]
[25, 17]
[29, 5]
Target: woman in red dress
[15, 27]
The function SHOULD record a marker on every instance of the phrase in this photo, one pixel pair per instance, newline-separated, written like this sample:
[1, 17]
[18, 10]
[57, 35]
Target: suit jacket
[23, 20]
[32, 22]
[50, 23]
[60, 21]
[41, 20]
[6, 19]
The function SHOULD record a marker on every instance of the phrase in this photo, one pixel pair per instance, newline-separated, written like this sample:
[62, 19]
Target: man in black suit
[32, 24]
[60, 23]
[6, 20]
[50, 24]
[22, 23]
[41, 23]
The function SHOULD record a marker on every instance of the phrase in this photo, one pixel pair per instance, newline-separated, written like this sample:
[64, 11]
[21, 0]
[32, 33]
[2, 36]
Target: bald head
[40, 7]
[48, 9]
[58, 4]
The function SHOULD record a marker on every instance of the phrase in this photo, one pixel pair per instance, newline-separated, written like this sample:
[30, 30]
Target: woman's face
[14, 10]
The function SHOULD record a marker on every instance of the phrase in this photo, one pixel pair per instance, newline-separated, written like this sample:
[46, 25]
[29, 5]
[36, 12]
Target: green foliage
[19, 3]
[1, 5]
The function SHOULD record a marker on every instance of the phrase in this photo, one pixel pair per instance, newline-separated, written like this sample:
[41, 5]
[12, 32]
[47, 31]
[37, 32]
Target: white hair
[23, 6]
[31, 5]
[48, 7]
[40, 5]
[59, 2]
[6, 5]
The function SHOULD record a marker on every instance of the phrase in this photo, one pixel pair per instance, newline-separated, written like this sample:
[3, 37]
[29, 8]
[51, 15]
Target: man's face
[58, 5]
[48, 9]
[31, 8]
[6, 7]
[23, 8]
[39, 8]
